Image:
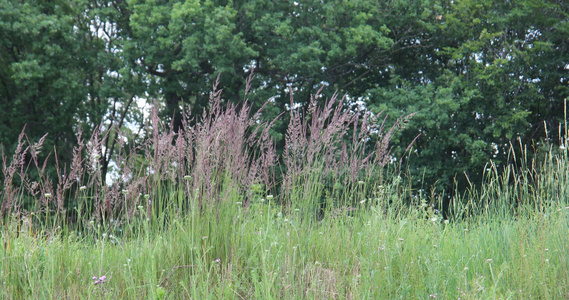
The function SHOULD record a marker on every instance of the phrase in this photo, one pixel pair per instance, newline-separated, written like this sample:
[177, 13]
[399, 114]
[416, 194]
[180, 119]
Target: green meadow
[323, 234]
[370, 251]
[271, 149]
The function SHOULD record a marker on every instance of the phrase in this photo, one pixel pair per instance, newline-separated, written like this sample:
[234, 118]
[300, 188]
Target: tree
[60, 73]
[180, 47]
[488, 75]
[478, 73]
[38, 76]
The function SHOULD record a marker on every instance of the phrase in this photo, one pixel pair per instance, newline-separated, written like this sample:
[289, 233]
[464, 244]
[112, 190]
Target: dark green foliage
[41, 67]
[483, 76]
[479, 74]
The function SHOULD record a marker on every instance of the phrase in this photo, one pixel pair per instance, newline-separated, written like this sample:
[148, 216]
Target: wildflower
[269, 197]
[140, 207]
[489, 260]
[363, 201]
[47, 195]
[82, 188]
[100, 280]
[239, 203]
[187, 177]
[146, 196]
[218, 260]
[360, 182]
[125, 192]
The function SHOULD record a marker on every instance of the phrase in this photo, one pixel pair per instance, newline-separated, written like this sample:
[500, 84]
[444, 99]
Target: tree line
[478, 74]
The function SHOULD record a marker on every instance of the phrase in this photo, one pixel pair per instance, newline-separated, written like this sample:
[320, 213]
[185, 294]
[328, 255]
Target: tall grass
[202, 214]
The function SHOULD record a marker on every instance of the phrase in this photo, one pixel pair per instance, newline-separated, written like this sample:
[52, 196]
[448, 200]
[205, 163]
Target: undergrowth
[211, 212]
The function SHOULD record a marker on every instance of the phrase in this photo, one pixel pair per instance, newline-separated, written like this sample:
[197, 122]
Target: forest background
[479, 75]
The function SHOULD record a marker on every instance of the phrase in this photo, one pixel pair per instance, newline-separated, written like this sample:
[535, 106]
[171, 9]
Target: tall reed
[331, 152]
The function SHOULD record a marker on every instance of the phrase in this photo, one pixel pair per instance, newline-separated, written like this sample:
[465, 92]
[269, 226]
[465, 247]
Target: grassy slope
[370, 255]
[505, 241]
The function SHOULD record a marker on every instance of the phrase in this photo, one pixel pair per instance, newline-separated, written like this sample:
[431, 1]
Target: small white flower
[361, 182]
[47, 195]
[363, 201]
[269, 197]
[187, 177]
[82, 188]
[146, 196]
[125, 192]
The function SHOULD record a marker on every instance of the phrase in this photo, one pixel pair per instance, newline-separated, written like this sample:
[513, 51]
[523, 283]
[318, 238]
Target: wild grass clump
[210, 211]
[229, 151]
